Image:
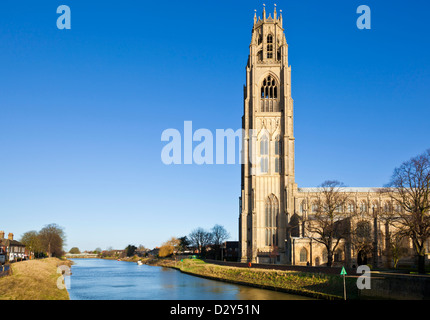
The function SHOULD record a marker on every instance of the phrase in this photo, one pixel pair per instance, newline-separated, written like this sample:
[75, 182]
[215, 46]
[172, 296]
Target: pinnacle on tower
[264, 12]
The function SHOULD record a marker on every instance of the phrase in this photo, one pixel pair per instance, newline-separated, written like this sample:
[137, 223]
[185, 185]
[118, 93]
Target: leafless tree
[409, 190]
[200, 239]
[327, 222]
[219, 235]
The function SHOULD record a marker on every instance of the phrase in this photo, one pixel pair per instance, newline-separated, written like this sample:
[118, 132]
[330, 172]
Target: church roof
[345, 189]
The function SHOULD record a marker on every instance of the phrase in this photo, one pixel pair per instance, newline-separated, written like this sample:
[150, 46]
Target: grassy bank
[320, 286]
[33, 280]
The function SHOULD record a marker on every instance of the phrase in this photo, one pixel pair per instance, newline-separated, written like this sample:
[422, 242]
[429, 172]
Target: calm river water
[96, 279]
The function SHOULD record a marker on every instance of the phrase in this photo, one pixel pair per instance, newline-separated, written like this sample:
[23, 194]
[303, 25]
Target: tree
[130, 250]
[219, 235]
[52, 238]
[327, 223]
[169, 247]
[200, 239]
[74, 250]
[409, 189]
[32, 242]
[184, 243]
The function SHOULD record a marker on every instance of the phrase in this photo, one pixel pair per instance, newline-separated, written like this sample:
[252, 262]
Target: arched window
[303, 255]
[271, 220]
[269, 46]
[302, 207]
[269, 95]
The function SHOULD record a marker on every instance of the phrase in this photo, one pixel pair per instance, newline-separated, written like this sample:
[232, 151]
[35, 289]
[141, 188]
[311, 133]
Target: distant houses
[10, 249]
[81, 255]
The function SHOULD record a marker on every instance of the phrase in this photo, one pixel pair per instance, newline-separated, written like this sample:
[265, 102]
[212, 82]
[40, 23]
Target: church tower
[268, 183]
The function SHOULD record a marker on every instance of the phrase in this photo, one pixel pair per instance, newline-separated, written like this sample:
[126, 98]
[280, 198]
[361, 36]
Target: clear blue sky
[82, 110]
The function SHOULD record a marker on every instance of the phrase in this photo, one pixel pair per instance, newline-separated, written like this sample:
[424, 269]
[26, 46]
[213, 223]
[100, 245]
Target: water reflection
[96, 279]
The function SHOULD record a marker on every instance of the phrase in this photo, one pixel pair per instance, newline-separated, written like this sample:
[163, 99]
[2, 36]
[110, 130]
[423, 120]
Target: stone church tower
[266, 202]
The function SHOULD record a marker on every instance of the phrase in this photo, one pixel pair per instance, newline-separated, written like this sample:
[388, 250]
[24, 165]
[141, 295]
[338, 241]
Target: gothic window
[269, 51]
[271, 220]
[351, 208]
[269, 46]
[269, 95]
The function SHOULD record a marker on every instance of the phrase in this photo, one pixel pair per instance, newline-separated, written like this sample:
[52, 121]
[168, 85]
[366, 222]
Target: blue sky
[82, 110]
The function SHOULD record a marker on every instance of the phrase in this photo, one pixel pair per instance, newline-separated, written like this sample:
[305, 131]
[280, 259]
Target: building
[230, 250]
[11, 249]
[273, 209]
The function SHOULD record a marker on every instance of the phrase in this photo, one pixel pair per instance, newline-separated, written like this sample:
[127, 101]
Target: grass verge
[315, 285]
[33, 280]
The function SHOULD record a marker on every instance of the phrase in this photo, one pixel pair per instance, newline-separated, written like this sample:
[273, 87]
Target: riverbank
[319, 286]
[34, 280]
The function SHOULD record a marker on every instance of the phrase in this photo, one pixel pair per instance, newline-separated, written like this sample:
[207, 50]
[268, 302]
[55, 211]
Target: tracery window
[271, 220]
[269, 95]
[269, 46]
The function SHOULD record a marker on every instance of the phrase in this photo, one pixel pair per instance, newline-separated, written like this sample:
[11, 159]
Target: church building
[273, 209]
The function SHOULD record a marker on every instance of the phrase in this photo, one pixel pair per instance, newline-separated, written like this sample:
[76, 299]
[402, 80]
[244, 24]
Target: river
[97, 279]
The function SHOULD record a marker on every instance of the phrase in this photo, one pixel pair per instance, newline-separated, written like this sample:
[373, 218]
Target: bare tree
[200, 239]
[327, 223]
[219, 235]
[409, 190]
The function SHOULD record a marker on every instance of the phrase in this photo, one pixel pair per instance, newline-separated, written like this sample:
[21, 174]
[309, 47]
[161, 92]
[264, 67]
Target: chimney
[1, 235]
[10, 236]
